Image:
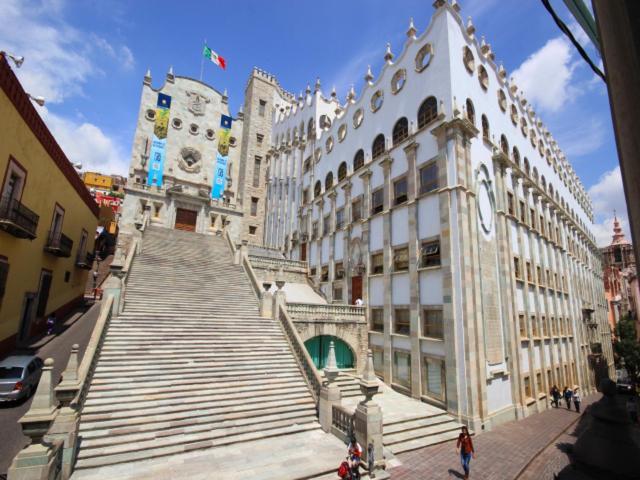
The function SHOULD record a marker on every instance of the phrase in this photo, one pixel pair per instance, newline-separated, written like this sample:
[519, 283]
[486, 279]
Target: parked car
[19, 376]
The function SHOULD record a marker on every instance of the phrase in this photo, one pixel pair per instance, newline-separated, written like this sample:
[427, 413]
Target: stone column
[332, 238]
[366, 212]
[330, 393]
[368, 418]
[411, 151]
[387, 254]
[346, 242]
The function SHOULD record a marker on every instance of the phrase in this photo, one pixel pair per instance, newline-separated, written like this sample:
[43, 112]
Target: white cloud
[85, 143]
[477, 8]
[546, 76]
[59, 57]
[583, 136]
[607, 195]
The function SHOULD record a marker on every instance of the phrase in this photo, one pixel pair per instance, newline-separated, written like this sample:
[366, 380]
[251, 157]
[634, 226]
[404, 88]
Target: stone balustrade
[271, 263]
[333, 313]
[342, 424]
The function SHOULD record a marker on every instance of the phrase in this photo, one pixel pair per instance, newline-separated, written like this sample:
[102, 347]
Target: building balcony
[17, 219]
[84, 260]
[58, 244]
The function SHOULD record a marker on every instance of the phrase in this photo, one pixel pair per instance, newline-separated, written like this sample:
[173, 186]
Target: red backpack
[343, 470]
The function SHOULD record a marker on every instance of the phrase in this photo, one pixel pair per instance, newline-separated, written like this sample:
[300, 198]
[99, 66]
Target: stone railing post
[114, 282]
[65, 426]
[280, 298]
[330, 394]
[266, 300]
[368, 421]
[38, 460]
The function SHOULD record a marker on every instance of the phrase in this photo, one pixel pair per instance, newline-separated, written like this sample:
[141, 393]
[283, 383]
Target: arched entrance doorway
[318, 348]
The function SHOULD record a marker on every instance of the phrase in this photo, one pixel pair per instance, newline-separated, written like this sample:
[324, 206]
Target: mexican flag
[214, 57]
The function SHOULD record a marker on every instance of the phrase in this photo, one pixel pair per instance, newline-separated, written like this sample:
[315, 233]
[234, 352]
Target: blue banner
[156, 157]
[222, 157]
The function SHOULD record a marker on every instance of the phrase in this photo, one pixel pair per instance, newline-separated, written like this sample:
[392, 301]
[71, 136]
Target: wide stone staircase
[190, 367]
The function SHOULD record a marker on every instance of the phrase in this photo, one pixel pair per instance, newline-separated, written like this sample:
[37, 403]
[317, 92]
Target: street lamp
[17, 60]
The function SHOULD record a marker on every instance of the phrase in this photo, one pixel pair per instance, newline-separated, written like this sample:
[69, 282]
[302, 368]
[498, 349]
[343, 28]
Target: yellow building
[47, 221]
[97, 181]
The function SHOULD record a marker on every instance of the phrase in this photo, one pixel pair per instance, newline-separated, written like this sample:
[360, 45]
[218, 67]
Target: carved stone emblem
[197, 103]
[189, 160]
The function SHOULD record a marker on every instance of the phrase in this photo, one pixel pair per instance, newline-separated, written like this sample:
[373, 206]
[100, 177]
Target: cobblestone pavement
[501, 454]
[77, 328]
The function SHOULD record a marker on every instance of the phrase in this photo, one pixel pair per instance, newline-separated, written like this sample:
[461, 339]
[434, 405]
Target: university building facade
[439, 198]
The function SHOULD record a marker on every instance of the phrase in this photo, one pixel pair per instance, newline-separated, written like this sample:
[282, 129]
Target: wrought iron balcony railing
[85, 260]
[17, 219]
[58, 244]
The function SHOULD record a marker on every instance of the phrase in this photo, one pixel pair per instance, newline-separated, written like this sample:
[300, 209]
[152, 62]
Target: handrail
[342, 420]
[279, 262]
[133, 248]
[252, 276]
[326, 311]
[227, 235]
[300, 351]
[91, 353]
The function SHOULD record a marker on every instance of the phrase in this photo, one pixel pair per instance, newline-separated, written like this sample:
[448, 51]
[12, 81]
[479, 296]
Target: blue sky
[87, 58]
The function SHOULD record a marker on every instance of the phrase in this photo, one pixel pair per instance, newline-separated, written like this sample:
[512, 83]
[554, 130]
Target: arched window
[504, 145]
[427, 112]
[358, 160]
[471, 112]
[527, 167]
[317, 189]
[543, 183]
[485, 128]
[516, 155]
[377, 148]
[535, 174]
[328, 181]
[342, 171]
[400, 130]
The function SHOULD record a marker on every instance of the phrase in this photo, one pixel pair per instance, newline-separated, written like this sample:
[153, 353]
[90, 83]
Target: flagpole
[202, 60]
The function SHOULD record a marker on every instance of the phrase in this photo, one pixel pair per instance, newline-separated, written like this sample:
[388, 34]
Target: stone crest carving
[197, 103]
[189, 160]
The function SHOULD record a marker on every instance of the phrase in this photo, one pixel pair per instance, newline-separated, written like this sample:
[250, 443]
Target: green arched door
[318, 348]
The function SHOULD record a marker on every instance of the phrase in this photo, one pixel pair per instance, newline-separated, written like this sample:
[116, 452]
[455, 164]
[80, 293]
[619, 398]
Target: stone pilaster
[366, 212]
[388, 267]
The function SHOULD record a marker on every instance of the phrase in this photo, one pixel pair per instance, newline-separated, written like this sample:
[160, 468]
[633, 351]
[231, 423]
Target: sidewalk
[502, 454]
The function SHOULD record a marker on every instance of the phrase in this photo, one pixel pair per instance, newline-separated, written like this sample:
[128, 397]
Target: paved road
[502, 454]
[77, 329]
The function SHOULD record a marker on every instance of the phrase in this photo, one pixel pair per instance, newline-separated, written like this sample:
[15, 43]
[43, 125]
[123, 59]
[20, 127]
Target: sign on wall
[222, 157]
[158, 144]
[108, 201]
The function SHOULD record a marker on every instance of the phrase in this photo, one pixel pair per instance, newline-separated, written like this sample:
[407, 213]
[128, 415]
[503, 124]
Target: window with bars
[378, 146]
[339, 270]
[326, 225]
[254, 206]
[534, 327]
[400, 130]
[432, 322]
[434, 381]
[400, 191]
[401, 323]
[529, 272]
[358, 160]
[429, 177]
[427, 112]
[516, 268]
[523, 212]
[324, 273]
[527, 387]
[430, 254]
[401, 259]
[377, 201]
[522, 325]
[256, 171]
[356, 209]
[511, 203]
[262, 107]
[377, 263]
[339, 218]
[314, 230]
[402, 368]
[377, 319]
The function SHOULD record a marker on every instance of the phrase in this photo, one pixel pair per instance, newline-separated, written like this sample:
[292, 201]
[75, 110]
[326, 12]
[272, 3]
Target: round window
[210, 134]
[423, 57]
[376, 100]
[193, 129]
[329, 144]
[150, 114]
[358, 116]
[398, 80]
[342, 132]
[176, 123]
[232, 141]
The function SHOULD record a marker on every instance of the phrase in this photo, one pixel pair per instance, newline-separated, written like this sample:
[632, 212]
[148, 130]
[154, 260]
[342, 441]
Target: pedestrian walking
[567, 394]
[632, 408]
[555, 396]
[464, 447]
[576, 399]
[51, 323]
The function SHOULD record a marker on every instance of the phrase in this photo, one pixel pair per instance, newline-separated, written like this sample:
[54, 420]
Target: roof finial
[147, 77]
[411, 31]
[388, 56]
[502, 72]
[334, 94]
[455, 5]
[471, 29]
[484, 47]
[170, 76]
[352, 94]
[308, 90]
[317, 85]
[369, 76]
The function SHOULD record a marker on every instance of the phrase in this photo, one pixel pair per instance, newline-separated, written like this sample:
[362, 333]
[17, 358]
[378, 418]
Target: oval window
[329, 144]
[376, 100]
[423, 57]
[342, 132]
[398, 80]
[358, 117]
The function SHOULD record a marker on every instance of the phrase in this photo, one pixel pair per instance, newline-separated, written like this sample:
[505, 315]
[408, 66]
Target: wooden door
[356, 289]
[186, 219]
[303, 252]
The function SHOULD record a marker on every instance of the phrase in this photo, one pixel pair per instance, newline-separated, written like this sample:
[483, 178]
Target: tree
[627, 346]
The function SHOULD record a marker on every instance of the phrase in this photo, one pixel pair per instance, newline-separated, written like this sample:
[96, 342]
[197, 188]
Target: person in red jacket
[464, 447]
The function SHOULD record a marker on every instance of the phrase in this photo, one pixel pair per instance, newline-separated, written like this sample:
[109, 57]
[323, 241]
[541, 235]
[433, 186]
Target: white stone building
[439, 197]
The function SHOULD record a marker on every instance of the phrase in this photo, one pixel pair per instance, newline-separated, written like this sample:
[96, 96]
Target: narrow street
[76, 329]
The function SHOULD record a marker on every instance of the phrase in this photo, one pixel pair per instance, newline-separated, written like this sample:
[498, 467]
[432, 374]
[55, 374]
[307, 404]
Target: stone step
[187, 416]
[264, 392]
[169, 368]
[422, 442]
[427, 421]
[134, 395]
[103, 413]
[126, 388]
[211, 375]
[421, 432]
[161, 430]
[185, 443]
[202, 345]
